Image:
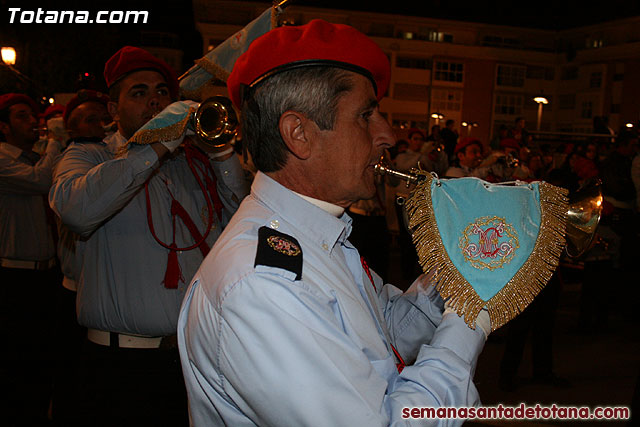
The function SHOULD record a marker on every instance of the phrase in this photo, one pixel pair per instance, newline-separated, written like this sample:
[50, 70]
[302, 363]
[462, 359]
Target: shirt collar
[318, 224]
[334, 210]
[13, 151]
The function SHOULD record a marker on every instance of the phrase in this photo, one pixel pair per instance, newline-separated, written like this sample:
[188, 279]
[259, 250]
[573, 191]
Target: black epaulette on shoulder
[279, 250]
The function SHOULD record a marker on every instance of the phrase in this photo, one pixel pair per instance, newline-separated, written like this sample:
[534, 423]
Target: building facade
[480, 74]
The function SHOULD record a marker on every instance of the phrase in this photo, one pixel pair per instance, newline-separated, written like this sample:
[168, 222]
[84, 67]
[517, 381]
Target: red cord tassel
[173, 275]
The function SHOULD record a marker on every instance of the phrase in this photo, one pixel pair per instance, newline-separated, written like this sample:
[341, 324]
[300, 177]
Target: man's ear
[295, 131]
[113, 110]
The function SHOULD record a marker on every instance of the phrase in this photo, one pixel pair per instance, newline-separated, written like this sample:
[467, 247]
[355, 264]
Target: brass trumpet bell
[215, 121]
[583, 216]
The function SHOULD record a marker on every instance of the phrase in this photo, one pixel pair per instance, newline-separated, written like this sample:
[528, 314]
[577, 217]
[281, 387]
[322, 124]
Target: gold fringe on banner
[149, 136]
[523, 287]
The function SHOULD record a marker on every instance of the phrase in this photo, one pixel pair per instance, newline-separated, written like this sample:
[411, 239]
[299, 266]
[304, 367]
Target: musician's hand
[57, 129]
[217, 153]
[483, 321]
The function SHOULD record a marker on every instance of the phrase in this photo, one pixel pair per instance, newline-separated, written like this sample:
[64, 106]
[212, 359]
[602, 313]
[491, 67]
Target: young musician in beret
[83, 118]
[28, 268]
[283, 324]
[147, 215]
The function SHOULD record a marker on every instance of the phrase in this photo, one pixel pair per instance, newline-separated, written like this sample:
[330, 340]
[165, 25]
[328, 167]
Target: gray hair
[312, 91]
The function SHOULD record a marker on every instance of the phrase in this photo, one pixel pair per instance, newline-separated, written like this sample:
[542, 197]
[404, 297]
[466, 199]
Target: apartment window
[446, 100]
[567, 101]
[594, 43]
[587, 110]
[595, 80]
[618, 77]
[416, 63]
[615, 109]
[510, 76]
[509, 104]
[449, 71]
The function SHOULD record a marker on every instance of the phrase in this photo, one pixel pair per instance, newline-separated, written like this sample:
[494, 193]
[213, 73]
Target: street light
[8, 55]
[437, 117]
[541, 100]
[469, 126]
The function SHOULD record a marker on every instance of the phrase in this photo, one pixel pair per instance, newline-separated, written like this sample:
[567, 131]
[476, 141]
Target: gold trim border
[523, 287]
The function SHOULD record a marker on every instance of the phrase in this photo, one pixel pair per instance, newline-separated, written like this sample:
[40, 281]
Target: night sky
[54, 55]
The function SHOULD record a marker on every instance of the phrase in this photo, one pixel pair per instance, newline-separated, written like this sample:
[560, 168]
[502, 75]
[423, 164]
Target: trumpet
[583, 211]
[215, 121]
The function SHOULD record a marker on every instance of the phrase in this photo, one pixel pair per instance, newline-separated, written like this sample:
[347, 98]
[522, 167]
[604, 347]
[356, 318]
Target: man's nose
[382, 133]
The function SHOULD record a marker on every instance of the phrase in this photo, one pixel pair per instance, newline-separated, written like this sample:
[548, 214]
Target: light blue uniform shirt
[101, 197]
[259, 347]
[25, 233]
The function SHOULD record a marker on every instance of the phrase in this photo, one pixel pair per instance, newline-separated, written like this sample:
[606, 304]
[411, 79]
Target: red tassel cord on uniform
[400, 365]
[192, 153]
[173, 274]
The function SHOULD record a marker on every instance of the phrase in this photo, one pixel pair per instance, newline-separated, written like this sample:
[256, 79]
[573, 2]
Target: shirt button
[226, 172]
[147, 163]
[275, 224]
[325, 246]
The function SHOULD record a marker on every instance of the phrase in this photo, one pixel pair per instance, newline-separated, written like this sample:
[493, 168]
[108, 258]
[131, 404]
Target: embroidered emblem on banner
[489, 242]
[284, 246]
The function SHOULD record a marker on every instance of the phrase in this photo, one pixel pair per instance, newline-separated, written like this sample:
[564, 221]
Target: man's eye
[367, 115]
[138, 93]
[163, 92]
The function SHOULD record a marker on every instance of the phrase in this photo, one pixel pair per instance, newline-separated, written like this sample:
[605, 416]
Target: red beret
[509, 143]
[313, 44]
[52, 110]
[9, 99]
[465, 142]
[84, 95]
[130, 59]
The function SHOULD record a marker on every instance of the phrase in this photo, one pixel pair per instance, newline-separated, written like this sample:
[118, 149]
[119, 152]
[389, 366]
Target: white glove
[53, 147]
[56, 127]
[483, 321]
[173, 144]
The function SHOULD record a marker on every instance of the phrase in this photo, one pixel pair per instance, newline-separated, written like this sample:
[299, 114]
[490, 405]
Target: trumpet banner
[492, 246]
[218, 63]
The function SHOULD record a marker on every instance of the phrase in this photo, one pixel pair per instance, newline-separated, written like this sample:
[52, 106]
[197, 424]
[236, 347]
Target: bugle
[215, 121]
[583, 211]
